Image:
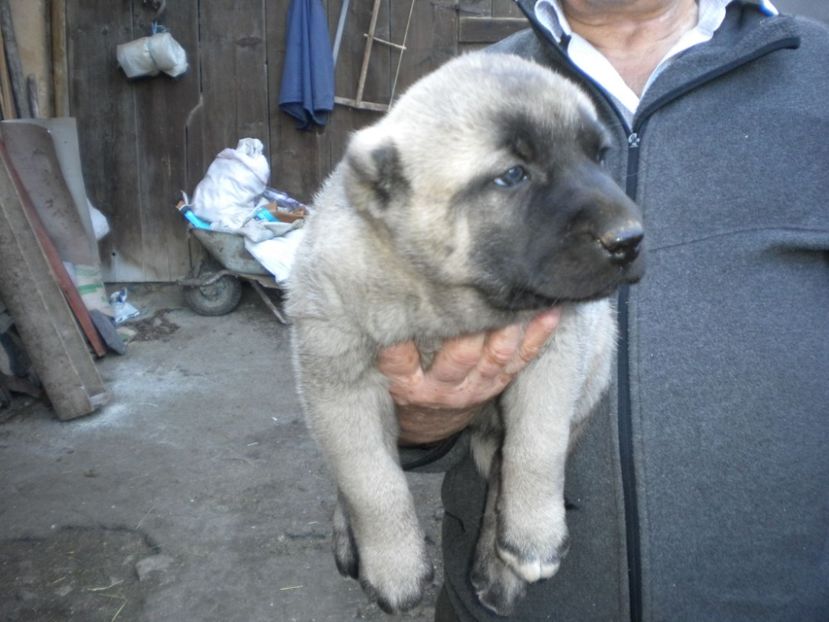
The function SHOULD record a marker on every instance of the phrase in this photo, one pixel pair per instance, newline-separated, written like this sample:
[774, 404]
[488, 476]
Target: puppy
[478, 200]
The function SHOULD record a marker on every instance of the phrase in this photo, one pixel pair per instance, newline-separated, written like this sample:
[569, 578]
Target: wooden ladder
[358, 101]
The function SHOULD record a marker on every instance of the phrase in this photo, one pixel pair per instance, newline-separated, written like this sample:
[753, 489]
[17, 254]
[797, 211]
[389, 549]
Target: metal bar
[258, 289]
[205, 282]
[338, 38]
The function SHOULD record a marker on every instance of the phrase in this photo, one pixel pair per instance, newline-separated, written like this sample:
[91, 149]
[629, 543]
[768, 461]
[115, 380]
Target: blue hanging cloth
[307, 91]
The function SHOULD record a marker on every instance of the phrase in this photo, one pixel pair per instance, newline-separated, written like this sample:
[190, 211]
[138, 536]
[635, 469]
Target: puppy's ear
[375, 179]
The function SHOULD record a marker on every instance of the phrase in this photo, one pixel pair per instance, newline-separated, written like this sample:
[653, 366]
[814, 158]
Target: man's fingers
[467, 370]
[499, 349]
[399, 360]
[457, 358]
[538, 332]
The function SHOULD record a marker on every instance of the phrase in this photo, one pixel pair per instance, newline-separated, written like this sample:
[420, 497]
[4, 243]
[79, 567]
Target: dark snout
[609, 220]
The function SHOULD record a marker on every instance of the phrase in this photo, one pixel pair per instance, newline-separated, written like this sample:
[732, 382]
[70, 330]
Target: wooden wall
[142, 142]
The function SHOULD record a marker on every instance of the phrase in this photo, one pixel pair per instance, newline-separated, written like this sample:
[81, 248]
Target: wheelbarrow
[214, 287]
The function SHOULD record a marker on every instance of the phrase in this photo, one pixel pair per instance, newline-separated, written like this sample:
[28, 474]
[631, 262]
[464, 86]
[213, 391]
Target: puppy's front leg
[537, 411]
[351, 415]
[498, 588]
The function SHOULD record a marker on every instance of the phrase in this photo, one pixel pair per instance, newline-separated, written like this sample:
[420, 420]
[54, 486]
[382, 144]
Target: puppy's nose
[622, 244]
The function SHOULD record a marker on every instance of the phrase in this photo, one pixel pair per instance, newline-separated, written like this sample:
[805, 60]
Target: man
[699, 492]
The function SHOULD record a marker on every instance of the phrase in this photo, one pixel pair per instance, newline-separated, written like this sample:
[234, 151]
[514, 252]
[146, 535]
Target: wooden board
[346, 120]
[488, 29]
[299, 159]
[506, 8]
[233, 73]
[162, 106]
[102, 100]
[30, 289]
[432, 37]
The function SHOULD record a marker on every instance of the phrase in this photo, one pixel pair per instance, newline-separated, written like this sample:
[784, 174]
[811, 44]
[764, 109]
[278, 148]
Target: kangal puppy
[477, 201]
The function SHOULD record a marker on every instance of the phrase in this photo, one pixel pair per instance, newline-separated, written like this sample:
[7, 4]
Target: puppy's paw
[498, 588]
[345, 547]
[533, 554]
[395, 580]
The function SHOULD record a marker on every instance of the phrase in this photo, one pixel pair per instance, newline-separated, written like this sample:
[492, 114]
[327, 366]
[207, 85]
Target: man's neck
[634, 35]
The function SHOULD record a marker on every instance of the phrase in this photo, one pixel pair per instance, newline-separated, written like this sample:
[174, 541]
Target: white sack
[233, 183]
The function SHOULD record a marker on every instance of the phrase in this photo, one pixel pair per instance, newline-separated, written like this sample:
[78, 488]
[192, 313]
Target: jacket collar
[766, 7]
[744, 36]
[549, 13]
[750, 30]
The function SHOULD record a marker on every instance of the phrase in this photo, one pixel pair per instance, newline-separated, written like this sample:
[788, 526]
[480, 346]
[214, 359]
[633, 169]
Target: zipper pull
[633, 141]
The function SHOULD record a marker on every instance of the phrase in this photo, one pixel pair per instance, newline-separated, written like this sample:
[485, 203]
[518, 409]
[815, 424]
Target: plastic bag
[100, 225]
[148, 56]
[277, 255]
[122, 309]
[233, 183]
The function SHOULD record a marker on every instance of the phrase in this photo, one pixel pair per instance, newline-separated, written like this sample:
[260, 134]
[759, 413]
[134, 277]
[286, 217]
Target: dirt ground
[196, 494]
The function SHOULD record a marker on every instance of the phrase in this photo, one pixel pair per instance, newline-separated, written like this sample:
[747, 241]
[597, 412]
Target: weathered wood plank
[432, 38]
[13, 63]
[378, 81]
[381, 68]
[488, 29]
[29, 289]
[505, 8]
[475, 8]
[299, 159]
[58, 47]
[102, 100]
[234, 73]
[162, 106]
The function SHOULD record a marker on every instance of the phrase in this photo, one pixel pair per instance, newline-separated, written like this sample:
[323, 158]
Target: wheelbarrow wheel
[218, 298]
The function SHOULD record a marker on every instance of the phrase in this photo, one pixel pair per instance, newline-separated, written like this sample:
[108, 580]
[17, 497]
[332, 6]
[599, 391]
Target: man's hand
[467, 372]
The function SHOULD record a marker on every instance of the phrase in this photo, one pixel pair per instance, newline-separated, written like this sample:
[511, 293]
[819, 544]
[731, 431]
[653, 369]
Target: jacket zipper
[624, 414]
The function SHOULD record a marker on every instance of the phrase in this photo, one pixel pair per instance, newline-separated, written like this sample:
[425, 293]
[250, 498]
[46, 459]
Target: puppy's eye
[512, 177]
[601, 155]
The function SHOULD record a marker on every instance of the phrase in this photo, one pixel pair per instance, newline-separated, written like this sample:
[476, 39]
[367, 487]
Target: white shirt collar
[596, 65]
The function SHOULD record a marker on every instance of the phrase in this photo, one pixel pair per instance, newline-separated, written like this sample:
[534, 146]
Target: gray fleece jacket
[701, 491]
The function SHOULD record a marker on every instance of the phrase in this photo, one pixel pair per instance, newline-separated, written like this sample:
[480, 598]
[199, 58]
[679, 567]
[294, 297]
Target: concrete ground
[196, 495]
